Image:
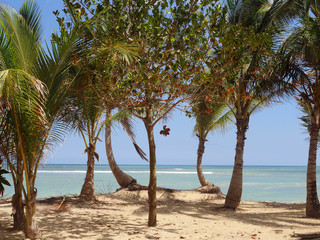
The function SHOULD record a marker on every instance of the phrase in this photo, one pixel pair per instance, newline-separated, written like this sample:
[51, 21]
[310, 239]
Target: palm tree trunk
[87, 191]
[233, 197]
[122, 178]
[152, 188]
[18, 208]
[31, 229]
[16, 202]
[200, 152]
[312, 204]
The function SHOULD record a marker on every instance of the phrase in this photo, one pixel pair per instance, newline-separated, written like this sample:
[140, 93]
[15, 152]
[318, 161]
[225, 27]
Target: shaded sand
[181, 215]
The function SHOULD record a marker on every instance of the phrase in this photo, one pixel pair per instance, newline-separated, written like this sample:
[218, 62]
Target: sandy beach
[181, 215]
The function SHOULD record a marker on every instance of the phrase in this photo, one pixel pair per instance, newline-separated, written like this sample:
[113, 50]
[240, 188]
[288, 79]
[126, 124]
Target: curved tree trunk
[122, 178]
[87, 191]
[200, 152]
[31, 228]
[152, 188]
[312, 204]
[233, 197]
[16, 201]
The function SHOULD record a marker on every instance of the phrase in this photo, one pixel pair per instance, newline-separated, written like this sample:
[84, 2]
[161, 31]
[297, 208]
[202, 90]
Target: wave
[170, 172]
[73, 171]
[137, 172]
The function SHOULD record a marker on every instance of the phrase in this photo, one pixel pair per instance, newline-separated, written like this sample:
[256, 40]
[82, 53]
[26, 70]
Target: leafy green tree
[32, 90]
[169, 34]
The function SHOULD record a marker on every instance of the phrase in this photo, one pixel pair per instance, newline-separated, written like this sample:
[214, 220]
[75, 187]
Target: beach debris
[57, 207]
[278, 231]
[133, 232]
[152, 237]
[306, 236]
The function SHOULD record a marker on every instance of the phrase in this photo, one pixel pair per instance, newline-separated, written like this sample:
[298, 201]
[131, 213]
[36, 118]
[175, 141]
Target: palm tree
[85, 110]
[19, 48]
[248, 40]
[86, 115]
[33, 86]
[116, 55]
[122, 178]
[209, 117]
[311, 122]
[303, 54]
[122, 116]
[120, 52]
[103, 57]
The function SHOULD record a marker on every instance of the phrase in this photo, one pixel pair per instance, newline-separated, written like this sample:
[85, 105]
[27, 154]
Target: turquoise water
[260, 183]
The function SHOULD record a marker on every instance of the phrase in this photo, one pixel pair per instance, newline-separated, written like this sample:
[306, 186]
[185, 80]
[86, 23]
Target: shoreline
[170, 165]
[280, 184]
[181, 215]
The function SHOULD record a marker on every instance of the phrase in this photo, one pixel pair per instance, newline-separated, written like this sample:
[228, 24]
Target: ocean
[260, 183]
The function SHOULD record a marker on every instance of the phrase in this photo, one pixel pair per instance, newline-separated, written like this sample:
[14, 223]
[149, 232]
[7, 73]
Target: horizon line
[123, 164]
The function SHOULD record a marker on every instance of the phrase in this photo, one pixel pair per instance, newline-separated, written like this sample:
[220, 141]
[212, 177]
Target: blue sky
[275, 136]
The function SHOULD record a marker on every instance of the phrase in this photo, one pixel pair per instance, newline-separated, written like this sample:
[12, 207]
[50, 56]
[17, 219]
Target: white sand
[181, 215]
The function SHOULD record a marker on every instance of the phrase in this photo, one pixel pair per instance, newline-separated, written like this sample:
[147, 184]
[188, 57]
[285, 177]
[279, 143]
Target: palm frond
[3, 181]
[22, 37]
[211, 118]
[6, 56]
[128, 127]
[124, 117]
[30, 12]
[305, 119]
[25, 90]
[120, 50]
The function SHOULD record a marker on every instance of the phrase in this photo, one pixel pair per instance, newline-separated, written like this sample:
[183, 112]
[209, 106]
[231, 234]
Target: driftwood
[206, 189]
[307, 236]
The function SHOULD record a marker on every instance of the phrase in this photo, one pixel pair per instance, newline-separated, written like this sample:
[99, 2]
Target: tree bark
[122, 178]
[152, 188]
[312, 204]
[233, 197]
[31, 229]
[16, 202]
[200, 152]
[87, 191]
[18, 208]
